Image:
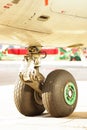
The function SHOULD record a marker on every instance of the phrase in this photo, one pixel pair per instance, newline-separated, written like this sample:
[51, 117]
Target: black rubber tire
[25, 101]
[53, 93]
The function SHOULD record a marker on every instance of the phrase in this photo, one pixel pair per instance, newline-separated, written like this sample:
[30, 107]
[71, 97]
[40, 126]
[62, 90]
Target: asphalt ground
[11, 119]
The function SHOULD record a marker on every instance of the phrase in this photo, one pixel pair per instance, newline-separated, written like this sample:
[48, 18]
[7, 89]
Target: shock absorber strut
[34, 78]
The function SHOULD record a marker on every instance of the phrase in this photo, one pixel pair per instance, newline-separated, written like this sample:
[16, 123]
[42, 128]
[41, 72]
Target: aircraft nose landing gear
[33, 93]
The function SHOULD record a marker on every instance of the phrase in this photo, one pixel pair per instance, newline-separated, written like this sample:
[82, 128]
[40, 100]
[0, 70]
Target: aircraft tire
[25, 101]
[60, 93]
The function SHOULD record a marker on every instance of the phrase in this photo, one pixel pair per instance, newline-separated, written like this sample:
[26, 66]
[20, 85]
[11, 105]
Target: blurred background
[11, 52]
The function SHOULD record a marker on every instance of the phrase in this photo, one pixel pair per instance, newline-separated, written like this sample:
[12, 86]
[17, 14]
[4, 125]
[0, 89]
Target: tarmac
[11, 119]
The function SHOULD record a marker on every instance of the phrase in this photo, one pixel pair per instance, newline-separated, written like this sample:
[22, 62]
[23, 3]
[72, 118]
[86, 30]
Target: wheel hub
[70, 93]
